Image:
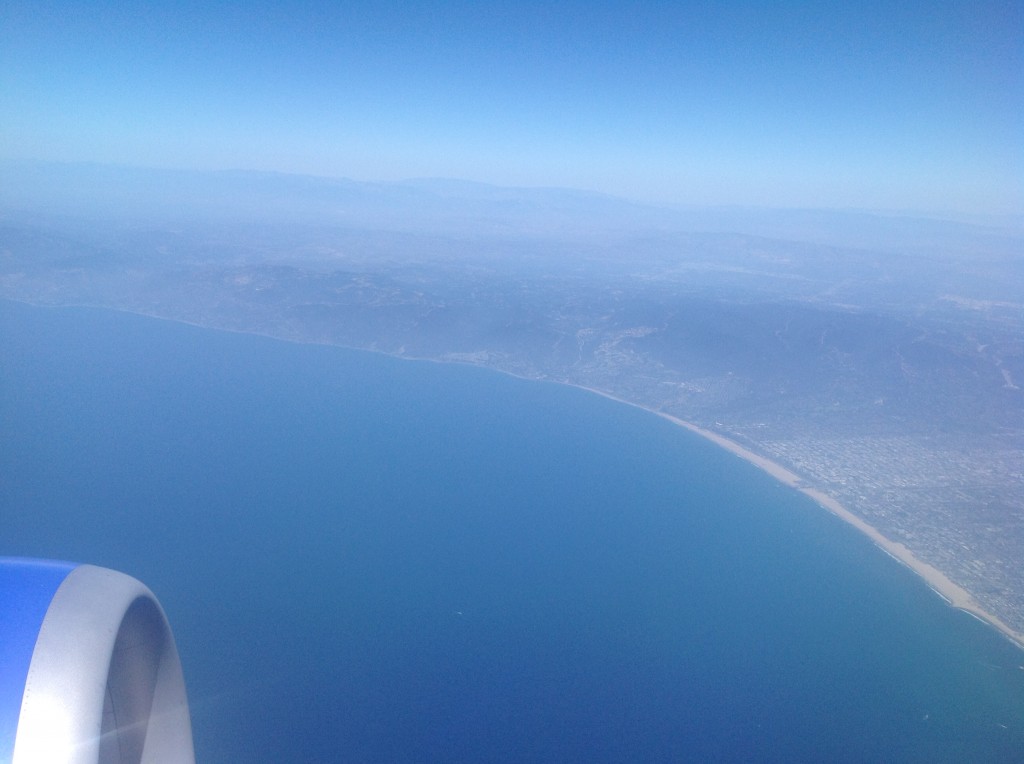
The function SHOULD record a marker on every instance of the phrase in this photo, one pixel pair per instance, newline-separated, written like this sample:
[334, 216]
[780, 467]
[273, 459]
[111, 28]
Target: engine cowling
[89, 671]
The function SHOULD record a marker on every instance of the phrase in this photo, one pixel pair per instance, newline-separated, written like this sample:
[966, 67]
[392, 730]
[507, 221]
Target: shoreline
[955, 595]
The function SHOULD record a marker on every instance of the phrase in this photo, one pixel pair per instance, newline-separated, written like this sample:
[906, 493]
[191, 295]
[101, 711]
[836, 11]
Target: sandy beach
[954, 594]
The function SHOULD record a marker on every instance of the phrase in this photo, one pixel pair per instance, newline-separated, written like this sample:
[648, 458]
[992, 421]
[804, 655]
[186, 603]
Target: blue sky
[888, 105]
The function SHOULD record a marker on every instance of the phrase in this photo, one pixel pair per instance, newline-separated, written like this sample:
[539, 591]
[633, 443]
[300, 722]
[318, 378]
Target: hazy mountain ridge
[454, 207]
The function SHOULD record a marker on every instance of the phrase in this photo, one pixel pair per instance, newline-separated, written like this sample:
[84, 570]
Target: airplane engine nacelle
[89, 672]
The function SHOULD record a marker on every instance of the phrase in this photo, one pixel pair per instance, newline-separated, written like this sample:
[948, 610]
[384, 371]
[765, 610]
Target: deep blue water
[366, 559]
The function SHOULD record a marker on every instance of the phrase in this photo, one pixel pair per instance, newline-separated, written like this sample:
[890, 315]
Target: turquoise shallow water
[368, 559]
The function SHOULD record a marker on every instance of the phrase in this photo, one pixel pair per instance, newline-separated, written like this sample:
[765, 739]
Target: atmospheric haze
[908, 106]
[794, 229]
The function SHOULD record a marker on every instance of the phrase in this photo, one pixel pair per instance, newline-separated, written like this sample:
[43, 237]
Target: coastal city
[889, 383]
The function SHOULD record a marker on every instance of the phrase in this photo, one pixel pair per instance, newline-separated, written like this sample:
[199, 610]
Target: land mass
[874, 362]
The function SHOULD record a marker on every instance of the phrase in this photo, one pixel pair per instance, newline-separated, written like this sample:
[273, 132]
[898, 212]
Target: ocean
[370, 559]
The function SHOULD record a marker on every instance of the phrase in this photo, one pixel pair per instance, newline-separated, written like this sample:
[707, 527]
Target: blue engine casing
[89, 672]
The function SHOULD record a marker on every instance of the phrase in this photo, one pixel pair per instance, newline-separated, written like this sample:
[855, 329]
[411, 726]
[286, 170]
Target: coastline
[954, 594]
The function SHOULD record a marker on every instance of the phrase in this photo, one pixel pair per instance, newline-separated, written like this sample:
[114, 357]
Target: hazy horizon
[873, 107]
[437, 182]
